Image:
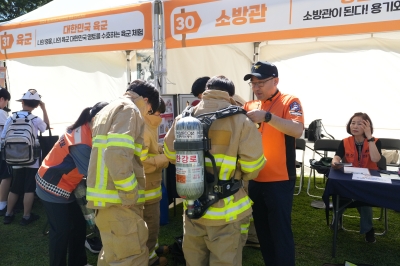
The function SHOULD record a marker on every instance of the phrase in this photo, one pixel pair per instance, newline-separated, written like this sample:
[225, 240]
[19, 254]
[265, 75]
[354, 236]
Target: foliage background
[13, 9]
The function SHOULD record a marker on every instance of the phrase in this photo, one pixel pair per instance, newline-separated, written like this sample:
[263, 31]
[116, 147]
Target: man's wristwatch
[267, 117]
[371, 139]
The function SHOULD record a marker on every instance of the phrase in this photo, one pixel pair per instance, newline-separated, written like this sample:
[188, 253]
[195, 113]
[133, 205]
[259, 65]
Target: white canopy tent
[72, 80]
[352, 71]
[335, 77]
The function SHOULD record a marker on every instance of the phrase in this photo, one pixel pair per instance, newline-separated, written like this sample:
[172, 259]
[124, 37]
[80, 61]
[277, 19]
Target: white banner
[227, 21]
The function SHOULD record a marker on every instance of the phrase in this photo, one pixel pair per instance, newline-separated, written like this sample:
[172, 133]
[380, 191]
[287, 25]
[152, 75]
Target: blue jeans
[365, 218]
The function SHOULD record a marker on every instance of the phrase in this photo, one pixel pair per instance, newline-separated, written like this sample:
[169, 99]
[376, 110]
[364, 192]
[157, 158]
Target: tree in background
[13, 9]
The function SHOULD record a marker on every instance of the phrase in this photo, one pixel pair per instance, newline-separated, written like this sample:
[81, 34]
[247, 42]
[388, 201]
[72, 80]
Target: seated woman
[362, 150]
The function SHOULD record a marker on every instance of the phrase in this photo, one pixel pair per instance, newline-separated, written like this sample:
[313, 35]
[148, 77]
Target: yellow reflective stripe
[144, 154]
[251, 219]
[226, 163]
[117, 140]
[253, 165]
[170, 154]
[230, 211]
[152, 193]
[152, 254]
[244, 228]
[141, 198]
[101, 197]
[101, 170]
[126, 184]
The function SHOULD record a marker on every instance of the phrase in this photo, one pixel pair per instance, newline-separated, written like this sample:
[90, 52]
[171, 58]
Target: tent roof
[57, 8]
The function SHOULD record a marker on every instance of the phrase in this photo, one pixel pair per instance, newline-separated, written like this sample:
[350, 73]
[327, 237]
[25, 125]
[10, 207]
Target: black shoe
[8, 219]
[31, 219]
[162, 251]
[370, 236]
[93, 244]
[252, 244]
[3, 211]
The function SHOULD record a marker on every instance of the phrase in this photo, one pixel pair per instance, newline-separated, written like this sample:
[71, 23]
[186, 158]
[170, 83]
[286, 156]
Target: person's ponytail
[87, 114]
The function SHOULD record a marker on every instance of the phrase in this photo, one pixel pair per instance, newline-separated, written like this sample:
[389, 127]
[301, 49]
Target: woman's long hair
[87, 114]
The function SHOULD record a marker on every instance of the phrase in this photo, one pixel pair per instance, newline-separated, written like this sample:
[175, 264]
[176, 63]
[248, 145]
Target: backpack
[176, 251]
[314, 130]
[20, 146]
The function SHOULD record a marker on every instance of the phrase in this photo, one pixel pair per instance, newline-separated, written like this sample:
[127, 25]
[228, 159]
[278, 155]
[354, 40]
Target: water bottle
[36, 149]
[80, 195]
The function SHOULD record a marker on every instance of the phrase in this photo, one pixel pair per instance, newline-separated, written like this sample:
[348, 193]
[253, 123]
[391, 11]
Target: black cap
[262, 70]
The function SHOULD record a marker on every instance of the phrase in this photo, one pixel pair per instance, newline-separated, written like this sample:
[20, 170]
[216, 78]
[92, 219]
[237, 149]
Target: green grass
[24, 246]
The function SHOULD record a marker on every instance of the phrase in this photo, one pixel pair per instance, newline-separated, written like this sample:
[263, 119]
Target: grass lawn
[23, 246]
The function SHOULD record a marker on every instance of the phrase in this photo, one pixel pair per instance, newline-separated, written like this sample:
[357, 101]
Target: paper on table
[356, 170]
[396, 176]
[364, 177]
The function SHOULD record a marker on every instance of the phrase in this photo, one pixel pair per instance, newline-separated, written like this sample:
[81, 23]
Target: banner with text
[125, 28]
[207, 22]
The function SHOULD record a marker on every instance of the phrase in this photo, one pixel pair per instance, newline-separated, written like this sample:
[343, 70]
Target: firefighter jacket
[236, 147]
[351, 154]
[58, 173]
[115, 175]
[153, 161]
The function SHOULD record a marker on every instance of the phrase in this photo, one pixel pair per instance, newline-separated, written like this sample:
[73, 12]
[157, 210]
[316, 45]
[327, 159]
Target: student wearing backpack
[24, 176]
[58, 176]
[5, 169]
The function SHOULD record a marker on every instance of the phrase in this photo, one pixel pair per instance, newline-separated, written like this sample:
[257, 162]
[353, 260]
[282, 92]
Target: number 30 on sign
[186, 22]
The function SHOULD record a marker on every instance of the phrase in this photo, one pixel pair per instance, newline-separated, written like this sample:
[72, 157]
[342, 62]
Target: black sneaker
[31, 219]
[252, 244]
[162, 250]
[93, 244]
[3, 211]
[370, 236]
[8, 219]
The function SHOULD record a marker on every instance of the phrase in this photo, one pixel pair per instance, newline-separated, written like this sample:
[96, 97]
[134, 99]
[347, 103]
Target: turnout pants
[151, 215]
[214, 245]
[124, 236]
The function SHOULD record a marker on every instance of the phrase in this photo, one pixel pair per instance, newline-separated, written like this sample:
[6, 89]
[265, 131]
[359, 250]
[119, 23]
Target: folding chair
[390, 144]
[325, 146]
[300, 145]
[354, 204]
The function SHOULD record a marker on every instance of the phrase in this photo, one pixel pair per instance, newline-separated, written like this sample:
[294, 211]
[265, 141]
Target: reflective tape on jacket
[117, 140]
[170, 154]
[101, 197]
[101, 142]
[227, 165]
[253, 165]
[152, 193]
[229, 212]
[244, 228]
[144, 155]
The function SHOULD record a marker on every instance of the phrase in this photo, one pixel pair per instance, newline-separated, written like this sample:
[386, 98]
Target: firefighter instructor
[218, 236]
[281, 121]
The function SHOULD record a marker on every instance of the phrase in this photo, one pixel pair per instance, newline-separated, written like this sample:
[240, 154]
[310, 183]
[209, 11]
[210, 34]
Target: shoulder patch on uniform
[295, 109]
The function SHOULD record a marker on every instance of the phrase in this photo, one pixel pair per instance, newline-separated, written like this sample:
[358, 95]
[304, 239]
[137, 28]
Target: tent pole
[156, 45]
[163, 66]
[128, 66]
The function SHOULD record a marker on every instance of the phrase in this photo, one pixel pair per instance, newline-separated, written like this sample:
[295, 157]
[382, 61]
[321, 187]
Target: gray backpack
[20, 146]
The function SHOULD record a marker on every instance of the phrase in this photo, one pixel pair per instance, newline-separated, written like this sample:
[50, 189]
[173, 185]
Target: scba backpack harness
[192, 145]
[20, 146]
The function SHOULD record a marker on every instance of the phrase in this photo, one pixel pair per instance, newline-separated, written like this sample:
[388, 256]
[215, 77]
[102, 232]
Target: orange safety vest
[351, 154]
[58, 173]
